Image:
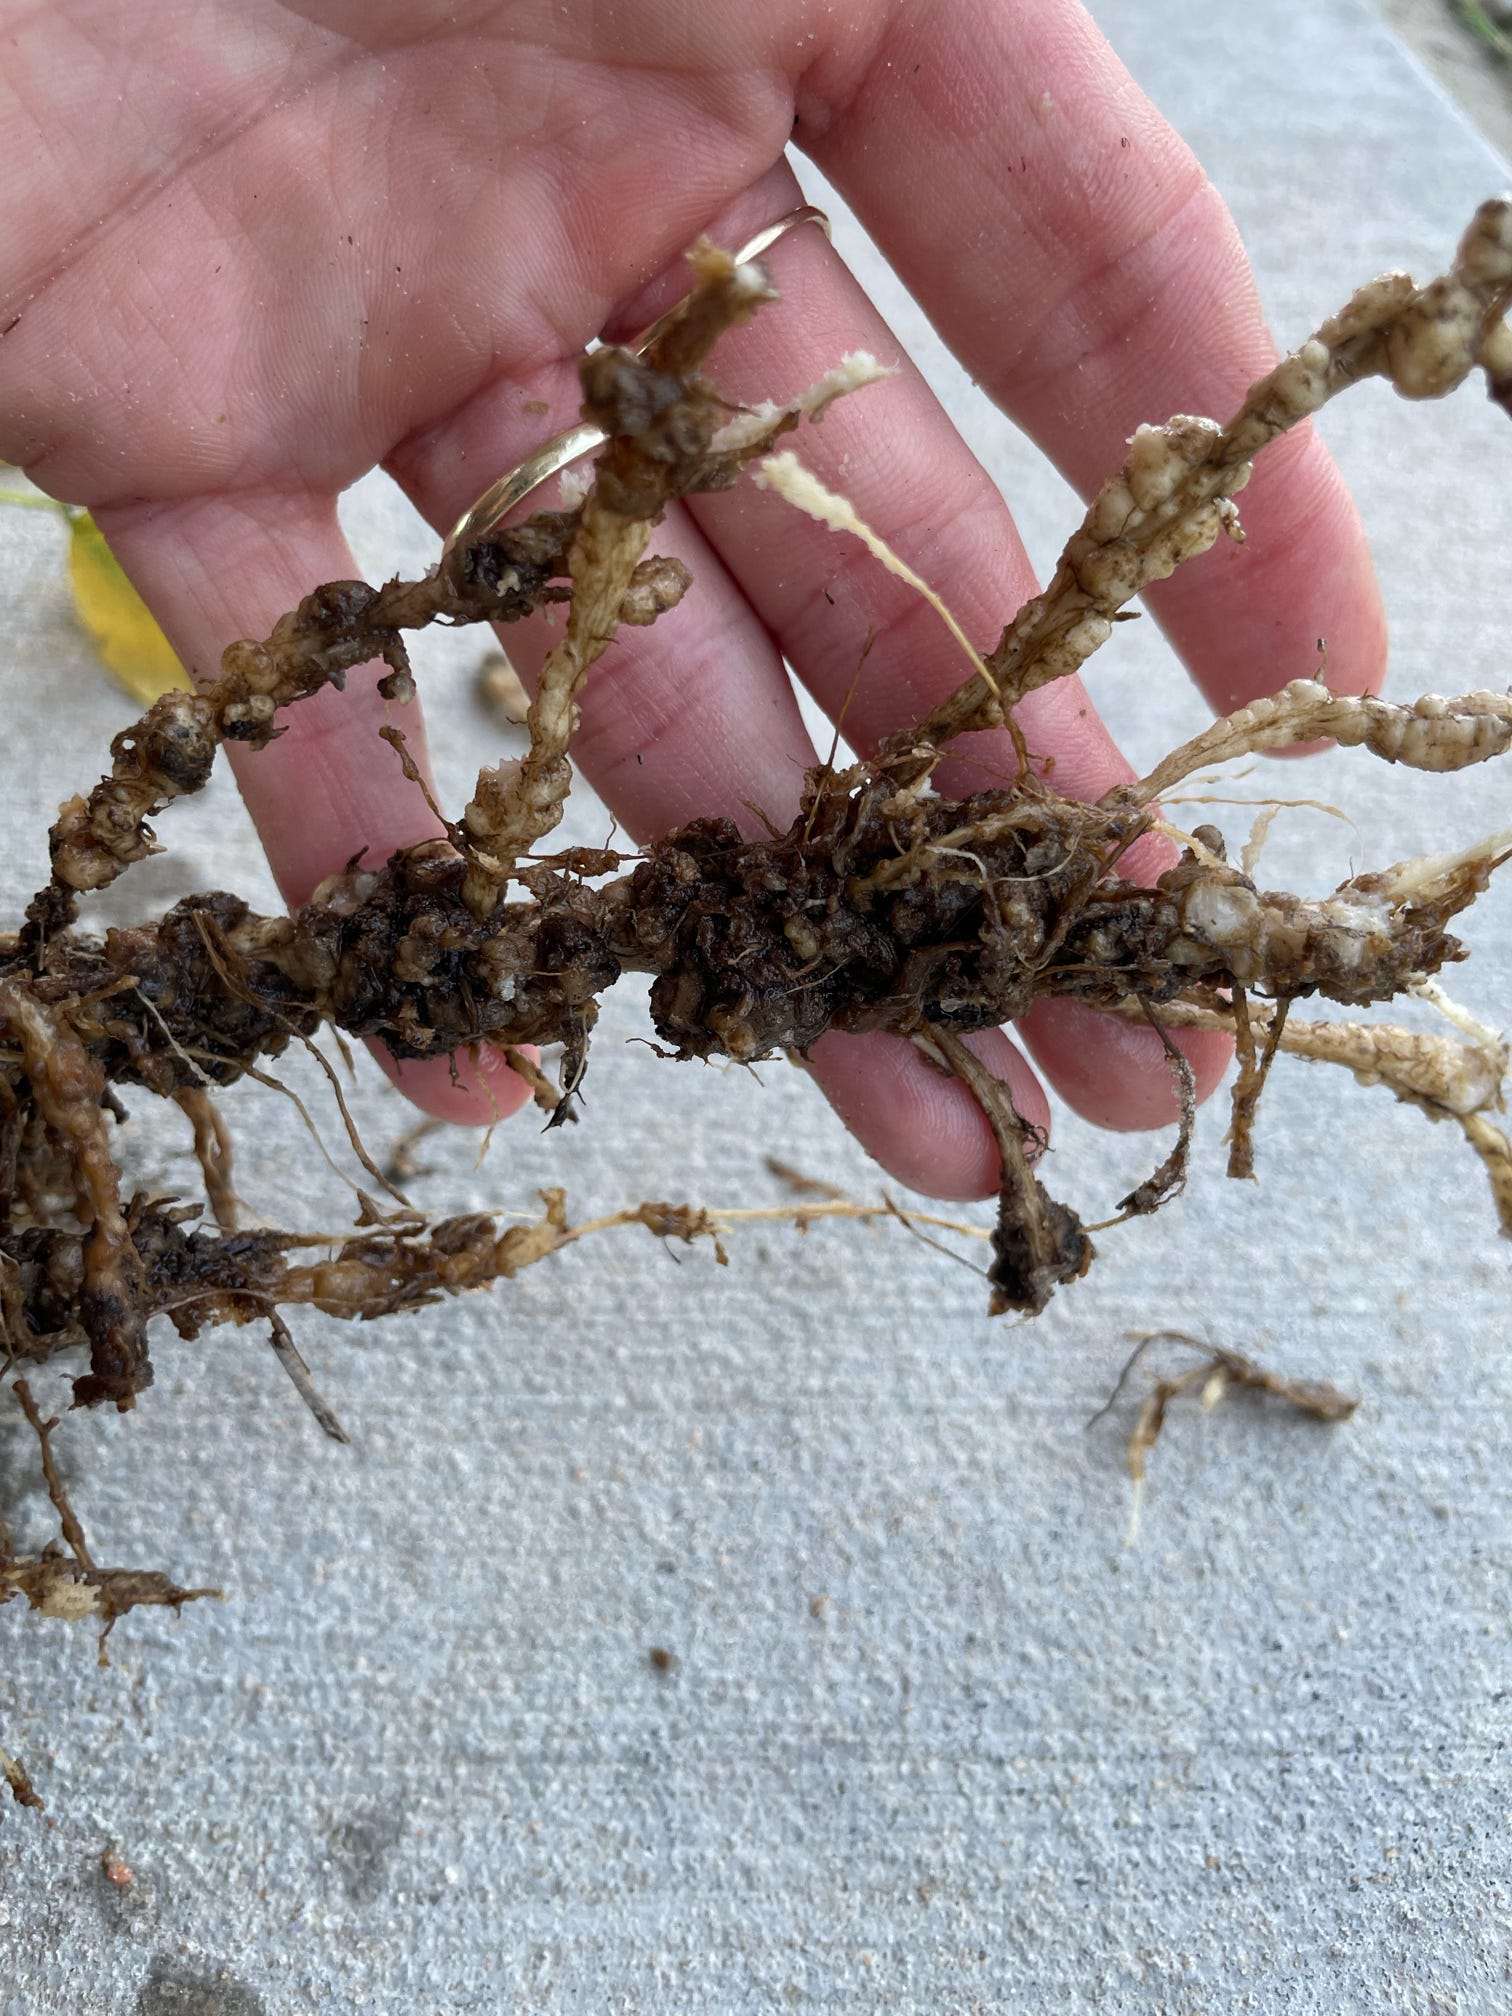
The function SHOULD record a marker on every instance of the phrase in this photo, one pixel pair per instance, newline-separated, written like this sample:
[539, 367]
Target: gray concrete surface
[1459, 61]
[935, 1738]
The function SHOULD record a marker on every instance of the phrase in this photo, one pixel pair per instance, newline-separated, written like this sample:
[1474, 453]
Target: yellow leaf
[123, 628]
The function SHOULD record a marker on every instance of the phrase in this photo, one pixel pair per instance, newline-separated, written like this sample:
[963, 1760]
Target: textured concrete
[934, 1738]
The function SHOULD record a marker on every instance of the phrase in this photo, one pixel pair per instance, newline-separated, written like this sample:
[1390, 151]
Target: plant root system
[886, 906]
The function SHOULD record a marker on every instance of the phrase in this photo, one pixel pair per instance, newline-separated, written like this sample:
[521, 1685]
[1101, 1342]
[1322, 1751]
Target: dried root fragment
[60, 1588]
[15, 1775]
[70, 1586]
[288, 1354]
[1215, 1373]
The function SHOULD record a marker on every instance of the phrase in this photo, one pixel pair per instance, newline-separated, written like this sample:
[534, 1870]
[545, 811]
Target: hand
[301, 240]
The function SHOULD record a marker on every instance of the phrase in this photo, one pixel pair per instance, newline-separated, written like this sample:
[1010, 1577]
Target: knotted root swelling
[885, 906]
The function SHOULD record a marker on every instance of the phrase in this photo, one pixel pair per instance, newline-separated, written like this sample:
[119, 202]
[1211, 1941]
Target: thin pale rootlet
[886, 906]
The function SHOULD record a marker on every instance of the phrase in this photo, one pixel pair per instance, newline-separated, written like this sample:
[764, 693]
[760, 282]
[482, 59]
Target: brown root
[1215, 1373]
[22, 1789]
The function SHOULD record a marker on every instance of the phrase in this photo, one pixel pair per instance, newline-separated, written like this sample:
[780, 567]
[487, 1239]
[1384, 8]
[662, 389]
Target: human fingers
[895, 454]
[219, 568]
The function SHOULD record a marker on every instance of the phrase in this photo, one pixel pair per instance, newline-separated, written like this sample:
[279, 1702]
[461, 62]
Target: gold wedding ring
[516, 484]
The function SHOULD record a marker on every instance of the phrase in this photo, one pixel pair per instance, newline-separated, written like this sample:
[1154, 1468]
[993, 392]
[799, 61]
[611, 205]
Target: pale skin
[251, 251]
